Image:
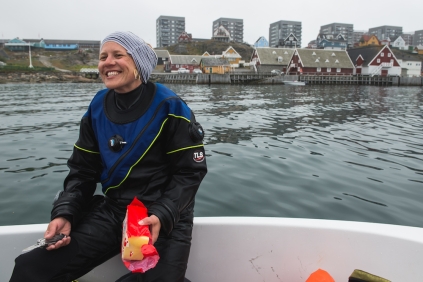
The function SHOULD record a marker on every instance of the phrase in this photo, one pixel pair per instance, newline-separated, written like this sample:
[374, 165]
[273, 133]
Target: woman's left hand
[155, 226]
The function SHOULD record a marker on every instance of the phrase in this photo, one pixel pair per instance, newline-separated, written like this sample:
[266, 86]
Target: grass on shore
[67, 60]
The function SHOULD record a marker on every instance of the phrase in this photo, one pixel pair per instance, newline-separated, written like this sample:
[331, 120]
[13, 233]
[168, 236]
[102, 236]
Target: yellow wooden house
[215, 65]
[232, 55]
[368, 40]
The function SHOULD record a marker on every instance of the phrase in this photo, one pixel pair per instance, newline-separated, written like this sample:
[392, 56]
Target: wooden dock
[347, 79]
[268, 78]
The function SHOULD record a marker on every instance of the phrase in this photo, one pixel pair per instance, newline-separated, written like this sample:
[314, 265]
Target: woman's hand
[155, 226]
[58, 225]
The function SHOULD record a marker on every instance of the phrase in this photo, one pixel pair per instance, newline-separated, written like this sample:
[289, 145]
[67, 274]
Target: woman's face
[117, 67]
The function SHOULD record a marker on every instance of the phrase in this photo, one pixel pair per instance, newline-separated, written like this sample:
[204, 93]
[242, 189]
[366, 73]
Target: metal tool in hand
[44, 243]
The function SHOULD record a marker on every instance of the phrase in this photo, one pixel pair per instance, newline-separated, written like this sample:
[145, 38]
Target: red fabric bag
[138, 252]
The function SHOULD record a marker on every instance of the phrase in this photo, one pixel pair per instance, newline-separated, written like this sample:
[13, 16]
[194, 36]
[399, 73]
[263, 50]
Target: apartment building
[280, 30]
[234, 26]
[408, 38]
[418, 38]
[346, 30]
[385, 31]
[168, 29]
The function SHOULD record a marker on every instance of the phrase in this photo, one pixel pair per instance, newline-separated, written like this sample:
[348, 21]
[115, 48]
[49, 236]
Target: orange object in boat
[320, 275]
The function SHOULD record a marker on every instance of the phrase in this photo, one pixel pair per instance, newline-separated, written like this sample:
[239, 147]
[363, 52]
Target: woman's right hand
[59, 225]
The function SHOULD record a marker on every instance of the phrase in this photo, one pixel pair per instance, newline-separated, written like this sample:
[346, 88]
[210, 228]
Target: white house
[411, 64]
[399, 43]
[410, 68]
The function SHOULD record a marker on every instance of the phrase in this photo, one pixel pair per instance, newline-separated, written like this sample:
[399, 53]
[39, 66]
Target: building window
[318, 69]
[382, 54]
[328, 69]
[378, 60]
[389, 54]
[338, 70]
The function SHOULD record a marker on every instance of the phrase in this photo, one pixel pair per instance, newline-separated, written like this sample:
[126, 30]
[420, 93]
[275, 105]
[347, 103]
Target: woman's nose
[109, 60]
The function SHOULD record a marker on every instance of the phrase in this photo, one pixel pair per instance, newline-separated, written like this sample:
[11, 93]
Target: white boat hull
[268, 249]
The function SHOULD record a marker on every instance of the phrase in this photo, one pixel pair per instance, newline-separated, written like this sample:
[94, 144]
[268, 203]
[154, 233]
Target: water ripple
[334, 152]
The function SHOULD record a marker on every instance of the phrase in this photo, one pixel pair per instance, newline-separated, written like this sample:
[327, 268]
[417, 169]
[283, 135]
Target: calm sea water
[330, 152]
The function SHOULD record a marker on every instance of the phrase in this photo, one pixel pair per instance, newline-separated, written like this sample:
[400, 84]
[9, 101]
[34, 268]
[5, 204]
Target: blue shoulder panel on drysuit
[138, 135]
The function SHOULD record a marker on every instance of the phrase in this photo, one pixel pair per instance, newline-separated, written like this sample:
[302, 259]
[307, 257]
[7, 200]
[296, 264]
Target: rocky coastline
[45, 77]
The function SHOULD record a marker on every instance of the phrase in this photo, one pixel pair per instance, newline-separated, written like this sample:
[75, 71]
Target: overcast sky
[94, 19]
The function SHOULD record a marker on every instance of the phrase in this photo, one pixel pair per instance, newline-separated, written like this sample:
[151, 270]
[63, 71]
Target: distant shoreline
[45, 77]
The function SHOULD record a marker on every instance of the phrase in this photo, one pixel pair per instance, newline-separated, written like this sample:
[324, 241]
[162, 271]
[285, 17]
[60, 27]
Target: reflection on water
[334, 152]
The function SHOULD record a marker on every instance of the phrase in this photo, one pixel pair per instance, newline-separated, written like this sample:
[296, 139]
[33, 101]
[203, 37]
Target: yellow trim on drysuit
[82, 149]
[130, 169]
[186, 148]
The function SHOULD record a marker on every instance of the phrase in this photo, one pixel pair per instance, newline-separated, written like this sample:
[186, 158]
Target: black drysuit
[165, 177]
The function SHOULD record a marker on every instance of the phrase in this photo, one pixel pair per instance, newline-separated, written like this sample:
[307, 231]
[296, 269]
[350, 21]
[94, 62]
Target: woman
[139, 139]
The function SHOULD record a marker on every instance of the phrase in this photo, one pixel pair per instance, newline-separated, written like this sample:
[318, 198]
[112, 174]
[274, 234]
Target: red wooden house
[190, 62]
[375, 60]
[320, 62]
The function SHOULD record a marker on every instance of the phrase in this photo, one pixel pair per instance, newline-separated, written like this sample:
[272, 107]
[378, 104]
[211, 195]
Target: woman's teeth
[112, 73]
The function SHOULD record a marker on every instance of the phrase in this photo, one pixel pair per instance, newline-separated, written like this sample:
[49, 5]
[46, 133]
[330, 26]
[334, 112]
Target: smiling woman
[140, 141]
[117, 69]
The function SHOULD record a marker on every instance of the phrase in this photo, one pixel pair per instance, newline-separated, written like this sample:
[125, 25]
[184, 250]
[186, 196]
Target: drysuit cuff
[69, 206]
[166, 213]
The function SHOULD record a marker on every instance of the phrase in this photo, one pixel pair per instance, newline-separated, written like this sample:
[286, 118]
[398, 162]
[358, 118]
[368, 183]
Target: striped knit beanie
[142, 53]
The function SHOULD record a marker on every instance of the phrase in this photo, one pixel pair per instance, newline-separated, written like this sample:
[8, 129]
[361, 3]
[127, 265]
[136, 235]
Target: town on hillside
[337, 50]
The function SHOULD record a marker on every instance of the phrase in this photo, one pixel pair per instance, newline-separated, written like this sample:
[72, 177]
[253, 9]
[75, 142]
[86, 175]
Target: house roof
[368, 53]
[260, 38]
[396, 37]
[222, 32]
[406, 56]
[185, 59]
[269, 56]
[291, 35]
[212, 62]
[320, 58]
[227, 54]
[16, 40]
[338, 37]
[162, 53]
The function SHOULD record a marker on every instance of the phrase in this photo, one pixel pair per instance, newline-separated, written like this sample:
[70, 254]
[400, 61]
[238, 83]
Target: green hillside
[75, 60]
[213, 47]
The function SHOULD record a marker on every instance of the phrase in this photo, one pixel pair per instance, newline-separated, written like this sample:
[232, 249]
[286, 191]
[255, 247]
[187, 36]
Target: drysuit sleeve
[80, 184]
[188, 168]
